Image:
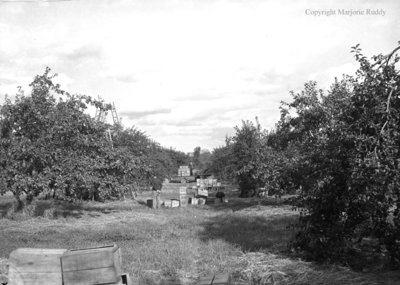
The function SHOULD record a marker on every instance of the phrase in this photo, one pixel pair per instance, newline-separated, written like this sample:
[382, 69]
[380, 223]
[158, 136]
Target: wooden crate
[150, 203]
[175, 203]
[183, 202]
[202, 192]
[182, 190]
[35, 266]
[99, 265]
[193, 201]
[172, 190]
[183, 199]
[211, 200]
[192, 191]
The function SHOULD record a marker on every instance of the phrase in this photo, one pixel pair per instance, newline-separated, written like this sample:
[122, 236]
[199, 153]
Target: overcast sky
[187, 71]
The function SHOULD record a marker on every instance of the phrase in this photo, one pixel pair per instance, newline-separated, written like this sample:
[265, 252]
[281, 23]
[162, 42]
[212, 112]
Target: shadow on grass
[251, 233]
[65, 209]
[237, 204]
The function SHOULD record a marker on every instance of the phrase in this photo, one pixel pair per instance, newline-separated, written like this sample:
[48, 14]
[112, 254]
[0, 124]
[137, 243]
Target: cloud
[8, 85]
[126, 78]
[195, 67]
[139, 114]
[7, 81]
[326, 77]
[83, 53]
[202, 115]
[217, 133]
[200, 97]
[11, 9]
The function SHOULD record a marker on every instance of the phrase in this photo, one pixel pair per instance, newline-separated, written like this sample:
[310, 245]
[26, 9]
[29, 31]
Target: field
[246, 237]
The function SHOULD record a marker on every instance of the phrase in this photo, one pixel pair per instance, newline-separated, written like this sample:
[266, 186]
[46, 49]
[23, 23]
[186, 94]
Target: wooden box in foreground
[35, 266]
[100, 265]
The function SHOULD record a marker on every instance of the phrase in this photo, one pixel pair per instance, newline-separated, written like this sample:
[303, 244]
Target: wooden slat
[34, 278]
[118, 261]
[100, 265]
[89, 258]
[87, 261]
[35, 266]
[221, 279]
[37, 260]
[94, 276]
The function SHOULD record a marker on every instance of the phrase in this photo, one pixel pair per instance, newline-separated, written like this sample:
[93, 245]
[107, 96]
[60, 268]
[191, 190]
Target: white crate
[202, 192]
[175, 203]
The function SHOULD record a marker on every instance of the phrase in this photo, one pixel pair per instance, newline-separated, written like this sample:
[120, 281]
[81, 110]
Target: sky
[186, 72]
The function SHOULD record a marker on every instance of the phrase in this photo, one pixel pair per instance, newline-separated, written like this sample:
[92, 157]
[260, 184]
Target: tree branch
[388, 101]
[386, 58]
[391, 54]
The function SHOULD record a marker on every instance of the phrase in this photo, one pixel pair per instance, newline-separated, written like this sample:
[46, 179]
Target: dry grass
[245, 237]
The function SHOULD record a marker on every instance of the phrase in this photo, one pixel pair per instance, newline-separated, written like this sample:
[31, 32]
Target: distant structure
[184, 189]
[184, 170]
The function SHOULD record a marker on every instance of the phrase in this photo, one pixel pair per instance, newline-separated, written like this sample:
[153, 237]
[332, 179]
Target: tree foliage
[340, 150]
[221, 162]
[350, 153]
[246, 144]
[201, 159]
[49, 145]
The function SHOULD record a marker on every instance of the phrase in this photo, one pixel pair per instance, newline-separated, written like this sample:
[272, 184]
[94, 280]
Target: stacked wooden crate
[176, 191]
[183, 198]
[201, 192]
[99, 265]
[184, 170]
[207, 182]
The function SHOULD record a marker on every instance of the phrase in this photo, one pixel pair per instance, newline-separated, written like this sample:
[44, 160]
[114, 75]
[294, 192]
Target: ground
[246, 237]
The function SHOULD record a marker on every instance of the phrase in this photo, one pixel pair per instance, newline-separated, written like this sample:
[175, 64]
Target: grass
[246, 237]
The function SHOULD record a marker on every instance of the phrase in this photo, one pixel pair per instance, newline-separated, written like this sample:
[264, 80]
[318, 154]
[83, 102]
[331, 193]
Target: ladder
[114, 115]
[101, 116]
[109, 137]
